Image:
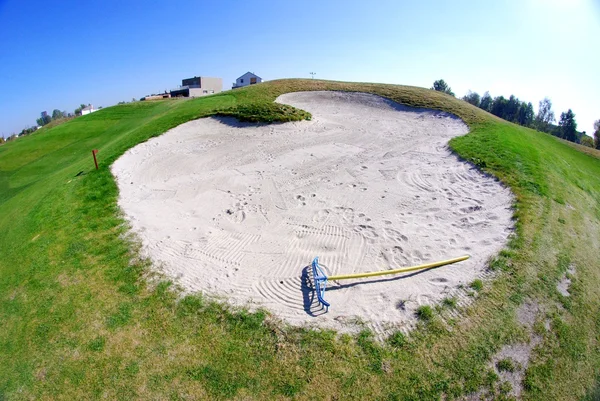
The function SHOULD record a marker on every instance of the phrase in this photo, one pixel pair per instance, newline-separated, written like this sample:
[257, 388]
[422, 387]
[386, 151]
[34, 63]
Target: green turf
[83, 316]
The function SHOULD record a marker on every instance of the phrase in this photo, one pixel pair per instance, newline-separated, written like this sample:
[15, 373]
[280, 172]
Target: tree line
[46, 119]
[522, 113]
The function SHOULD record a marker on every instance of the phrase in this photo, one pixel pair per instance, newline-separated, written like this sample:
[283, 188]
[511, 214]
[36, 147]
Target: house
[87, 110]
[198, 86]
[248, 78]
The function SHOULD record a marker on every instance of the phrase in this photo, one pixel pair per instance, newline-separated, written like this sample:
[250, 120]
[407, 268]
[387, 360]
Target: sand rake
[320, 279]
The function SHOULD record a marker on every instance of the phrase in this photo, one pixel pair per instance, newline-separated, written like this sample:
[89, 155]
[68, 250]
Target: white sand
[240, 210]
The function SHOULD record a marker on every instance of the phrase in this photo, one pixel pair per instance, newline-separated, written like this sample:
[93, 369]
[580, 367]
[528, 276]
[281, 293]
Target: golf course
[87, 313]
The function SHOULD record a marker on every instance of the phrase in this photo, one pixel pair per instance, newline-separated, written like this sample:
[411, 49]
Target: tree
[78, 110]
[587, 141]
[473, 98]
[441, 86]
[568, 126]
[486, 102]
[499, 106]
[525, 114]
[511, 109]
[545, 115]
[56, 114]
[44, 119]
[597, 134]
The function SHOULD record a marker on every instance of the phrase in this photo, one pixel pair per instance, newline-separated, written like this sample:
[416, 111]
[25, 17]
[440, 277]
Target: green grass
[477, 285]
[425, 313]
[83, 316]
[450, 302]
[506, 365]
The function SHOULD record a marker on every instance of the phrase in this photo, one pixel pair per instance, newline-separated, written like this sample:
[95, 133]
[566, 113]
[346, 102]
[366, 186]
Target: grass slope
[83, 316]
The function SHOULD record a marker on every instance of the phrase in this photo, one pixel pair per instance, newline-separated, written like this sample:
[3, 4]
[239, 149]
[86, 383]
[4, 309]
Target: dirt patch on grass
[511, 362]
[565, 282]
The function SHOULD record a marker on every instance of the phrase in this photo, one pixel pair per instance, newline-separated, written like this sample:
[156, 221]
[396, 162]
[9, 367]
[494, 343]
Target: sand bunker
[240, 210]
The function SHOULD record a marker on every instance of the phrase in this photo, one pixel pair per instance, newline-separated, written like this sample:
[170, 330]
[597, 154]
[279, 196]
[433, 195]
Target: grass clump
[477, 285]
[397, 340]
[450, 302]
[506, 365]
[97, 344]
[425, 313]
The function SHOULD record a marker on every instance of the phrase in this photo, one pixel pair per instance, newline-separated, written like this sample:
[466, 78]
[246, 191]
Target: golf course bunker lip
[239, 211]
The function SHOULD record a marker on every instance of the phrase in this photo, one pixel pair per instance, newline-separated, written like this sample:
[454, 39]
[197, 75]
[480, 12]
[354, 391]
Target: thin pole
[94, 154]
[401, 270]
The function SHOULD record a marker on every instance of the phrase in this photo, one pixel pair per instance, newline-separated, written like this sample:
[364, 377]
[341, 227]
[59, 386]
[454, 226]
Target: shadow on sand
[311, 303]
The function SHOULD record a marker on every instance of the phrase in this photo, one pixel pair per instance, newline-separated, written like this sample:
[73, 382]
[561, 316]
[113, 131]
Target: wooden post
[94, 154]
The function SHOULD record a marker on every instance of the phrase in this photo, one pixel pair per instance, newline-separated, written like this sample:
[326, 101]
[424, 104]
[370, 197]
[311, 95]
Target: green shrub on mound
[265, 113]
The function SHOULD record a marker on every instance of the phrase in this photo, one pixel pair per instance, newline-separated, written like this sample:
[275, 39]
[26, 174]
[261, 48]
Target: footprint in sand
[346, 214]
[394, 256]
[394, 235]
[321, 216]
[368, 232]
[235, 216]
[439, 281]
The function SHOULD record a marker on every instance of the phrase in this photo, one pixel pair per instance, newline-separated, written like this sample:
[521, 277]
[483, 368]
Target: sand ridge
[240, 210]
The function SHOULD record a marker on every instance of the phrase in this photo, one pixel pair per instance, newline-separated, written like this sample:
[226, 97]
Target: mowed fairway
[83, 316]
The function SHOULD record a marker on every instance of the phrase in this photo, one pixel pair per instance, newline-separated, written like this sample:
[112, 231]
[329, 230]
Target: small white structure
[248, 78]
[88, 110]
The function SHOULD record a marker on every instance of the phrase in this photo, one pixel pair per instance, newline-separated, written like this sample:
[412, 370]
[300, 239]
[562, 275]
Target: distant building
[157, 97]
[248, 78]
[198, 86]
[87, 110]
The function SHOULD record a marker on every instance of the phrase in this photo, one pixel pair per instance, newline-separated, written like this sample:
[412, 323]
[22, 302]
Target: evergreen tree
[441, 86]
[473, 98]
[486, 102]
[499, 106]
[511, 109]
[525, 114]
[568, 126]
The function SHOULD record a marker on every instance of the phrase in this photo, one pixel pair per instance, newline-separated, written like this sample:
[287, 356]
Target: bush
[587, 141]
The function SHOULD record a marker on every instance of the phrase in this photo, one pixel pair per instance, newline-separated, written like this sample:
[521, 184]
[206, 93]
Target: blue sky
[61, 54]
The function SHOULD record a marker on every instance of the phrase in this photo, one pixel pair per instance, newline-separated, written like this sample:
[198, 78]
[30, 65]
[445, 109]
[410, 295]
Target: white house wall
[246, 77]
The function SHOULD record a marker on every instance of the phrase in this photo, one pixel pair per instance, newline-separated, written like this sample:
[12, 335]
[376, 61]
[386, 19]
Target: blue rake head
[320, 280]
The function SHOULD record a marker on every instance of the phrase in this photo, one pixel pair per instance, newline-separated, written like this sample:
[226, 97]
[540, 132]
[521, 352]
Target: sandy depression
[238, 211]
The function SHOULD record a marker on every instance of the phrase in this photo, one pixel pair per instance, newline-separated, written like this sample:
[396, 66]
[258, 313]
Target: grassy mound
[83, 316]
[265, 113]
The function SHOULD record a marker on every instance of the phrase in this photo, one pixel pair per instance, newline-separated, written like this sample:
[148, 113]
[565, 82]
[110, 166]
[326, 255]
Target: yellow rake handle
[401, 270]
